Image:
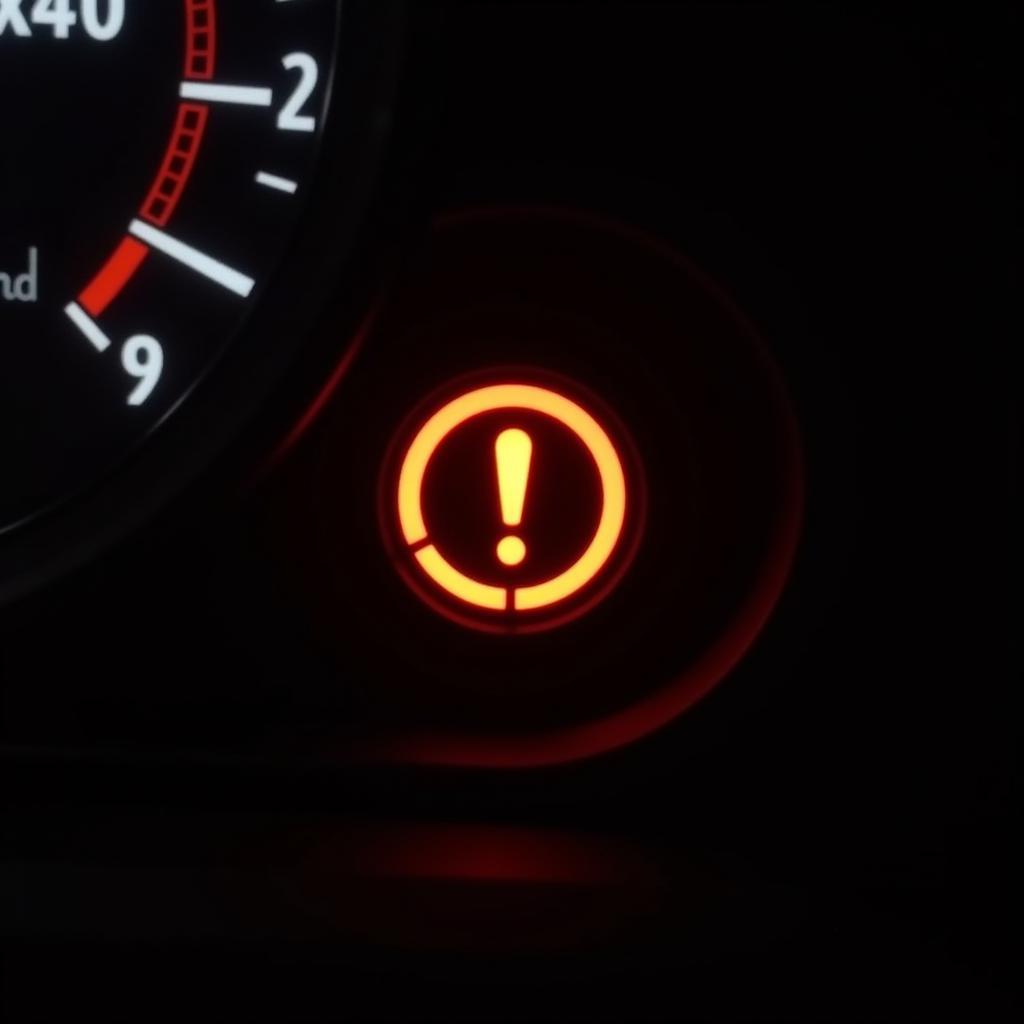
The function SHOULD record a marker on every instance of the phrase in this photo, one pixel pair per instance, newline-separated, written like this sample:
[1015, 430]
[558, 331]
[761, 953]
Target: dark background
[831, 827]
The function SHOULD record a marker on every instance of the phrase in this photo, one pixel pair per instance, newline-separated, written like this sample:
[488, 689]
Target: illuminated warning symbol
[512, 452]
[512, 499]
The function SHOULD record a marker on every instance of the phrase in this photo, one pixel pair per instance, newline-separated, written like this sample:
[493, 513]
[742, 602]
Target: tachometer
[157, 160]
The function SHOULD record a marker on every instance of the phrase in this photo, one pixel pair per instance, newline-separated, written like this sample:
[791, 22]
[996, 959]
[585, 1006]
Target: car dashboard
[505, 510]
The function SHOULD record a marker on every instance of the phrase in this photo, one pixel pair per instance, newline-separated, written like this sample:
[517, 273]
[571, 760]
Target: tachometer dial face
[156, 157]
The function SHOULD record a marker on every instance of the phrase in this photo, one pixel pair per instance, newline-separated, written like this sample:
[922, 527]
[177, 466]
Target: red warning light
[513, 507]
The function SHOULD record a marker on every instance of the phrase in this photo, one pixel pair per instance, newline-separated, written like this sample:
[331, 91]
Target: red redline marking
[200, 39]
[177, 165]
[179, 160]
[114, 275]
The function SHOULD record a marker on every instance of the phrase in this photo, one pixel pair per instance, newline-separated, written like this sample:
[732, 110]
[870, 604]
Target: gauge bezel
[353, 601]
[596, 733]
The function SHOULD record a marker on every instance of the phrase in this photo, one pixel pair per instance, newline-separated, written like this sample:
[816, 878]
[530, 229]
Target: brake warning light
[512, 507]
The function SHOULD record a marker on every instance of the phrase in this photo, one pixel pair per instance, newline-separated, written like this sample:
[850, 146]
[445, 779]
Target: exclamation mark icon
[513, 450]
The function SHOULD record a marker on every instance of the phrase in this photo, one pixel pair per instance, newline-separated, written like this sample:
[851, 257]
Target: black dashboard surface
[826, 836]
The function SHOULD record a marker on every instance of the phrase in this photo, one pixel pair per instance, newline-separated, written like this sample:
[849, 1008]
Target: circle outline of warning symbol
[573, 417]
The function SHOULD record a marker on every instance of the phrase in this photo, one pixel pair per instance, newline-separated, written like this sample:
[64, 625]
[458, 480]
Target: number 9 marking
[143, 358]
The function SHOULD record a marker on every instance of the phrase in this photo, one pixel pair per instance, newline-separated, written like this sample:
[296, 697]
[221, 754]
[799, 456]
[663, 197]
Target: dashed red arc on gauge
[177, 164]
[200, 38]
[175, 168]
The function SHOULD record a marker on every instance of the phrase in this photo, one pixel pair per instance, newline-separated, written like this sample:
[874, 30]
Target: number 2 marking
[289, 119]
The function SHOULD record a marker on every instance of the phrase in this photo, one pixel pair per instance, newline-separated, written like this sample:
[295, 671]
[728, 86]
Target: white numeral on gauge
[290, 119]
[103, 29]
[57, 13]
[102, 20]
[143, 358]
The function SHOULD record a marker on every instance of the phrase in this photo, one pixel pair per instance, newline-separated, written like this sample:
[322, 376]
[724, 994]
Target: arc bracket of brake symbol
[492, 464]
